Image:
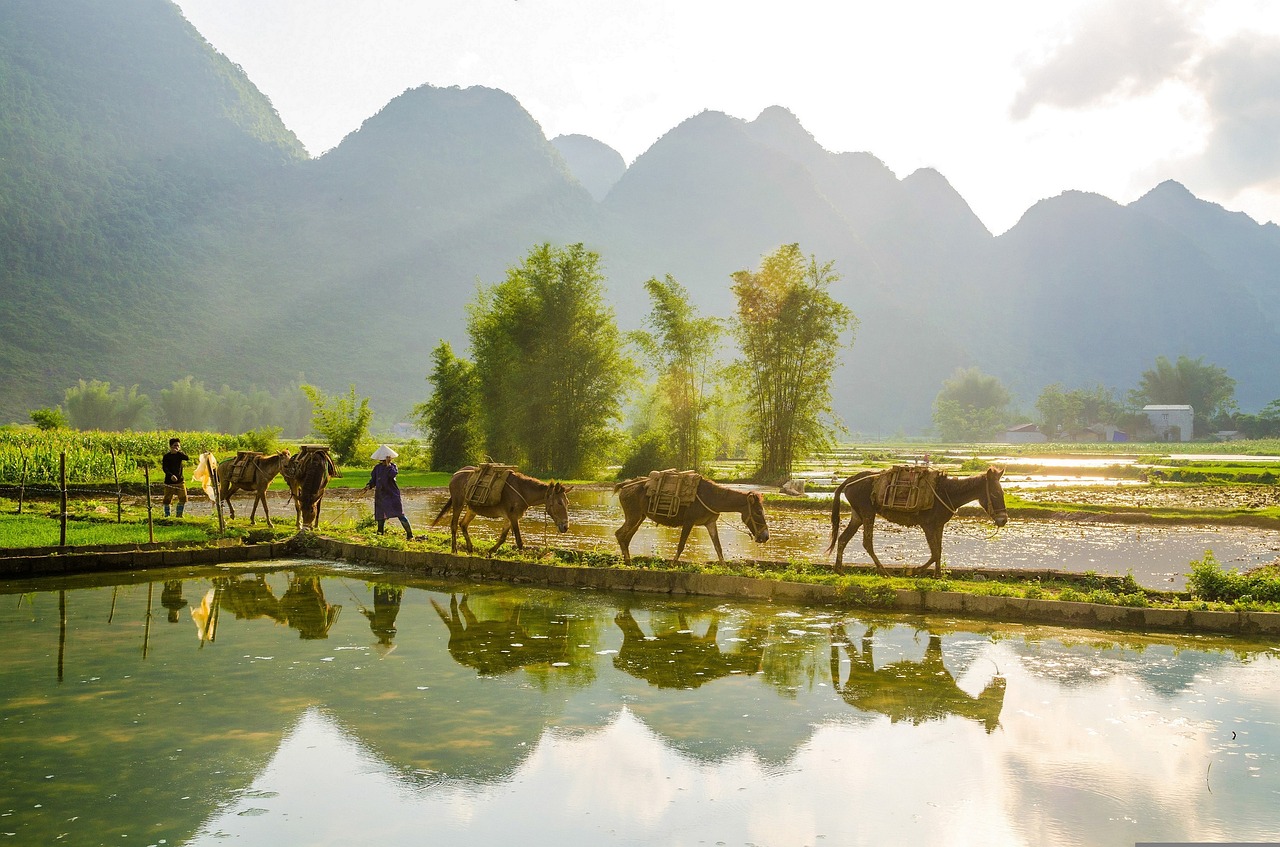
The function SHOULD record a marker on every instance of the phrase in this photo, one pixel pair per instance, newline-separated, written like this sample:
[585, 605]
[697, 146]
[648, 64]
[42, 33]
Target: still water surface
[318, 705]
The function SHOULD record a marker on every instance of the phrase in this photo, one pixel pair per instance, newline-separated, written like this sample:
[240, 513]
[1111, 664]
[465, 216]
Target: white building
[1171, 423]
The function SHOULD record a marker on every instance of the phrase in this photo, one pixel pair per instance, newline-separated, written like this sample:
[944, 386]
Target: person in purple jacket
[386, 494]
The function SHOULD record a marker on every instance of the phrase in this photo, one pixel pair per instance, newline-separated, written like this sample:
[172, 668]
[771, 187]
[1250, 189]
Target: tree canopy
[680, 346]
[451, 416]
[1188, 382]
[549, 362]
[790, 330]
[971, 406]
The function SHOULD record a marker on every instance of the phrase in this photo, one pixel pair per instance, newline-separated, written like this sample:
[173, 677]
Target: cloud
[1240, 83]
[1118, 49]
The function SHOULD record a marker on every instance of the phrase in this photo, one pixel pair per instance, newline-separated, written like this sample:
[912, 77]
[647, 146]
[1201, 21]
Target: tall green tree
[341, 420]
[1207, 389]
[549, 362]
[186, 405]
[971, 406]
[94, 405]
[680, 346]
[790, 330]
[451, 416]
[1072, 411]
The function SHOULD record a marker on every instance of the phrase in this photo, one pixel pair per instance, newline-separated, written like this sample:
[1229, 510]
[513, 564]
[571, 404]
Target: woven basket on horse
[293, 469]
[905, 488]
[485, 486]
[669, 491]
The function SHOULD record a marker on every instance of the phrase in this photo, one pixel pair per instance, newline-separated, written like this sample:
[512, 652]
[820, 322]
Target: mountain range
[158, 219]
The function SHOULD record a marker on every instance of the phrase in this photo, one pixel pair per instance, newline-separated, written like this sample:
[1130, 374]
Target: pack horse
[908, 496]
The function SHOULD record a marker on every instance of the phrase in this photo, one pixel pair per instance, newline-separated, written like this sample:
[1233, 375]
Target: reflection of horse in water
[677, 658]
[498, 646]
[912, 691]
[249, 598]
[305, 608]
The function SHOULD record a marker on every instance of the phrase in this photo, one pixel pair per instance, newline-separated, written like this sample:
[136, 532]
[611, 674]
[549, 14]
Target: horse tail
[835, 513]
[447, 505]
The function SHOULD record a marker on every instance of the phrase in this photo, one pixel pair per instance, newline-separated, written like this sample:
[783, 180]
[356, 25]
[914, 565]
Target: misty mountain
[595, 164]
[158, 220]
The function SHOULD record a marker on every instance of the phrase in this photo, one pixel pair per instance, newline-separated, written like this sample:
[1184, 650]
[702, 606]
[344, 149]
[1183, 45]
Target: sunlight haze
[1011, 101]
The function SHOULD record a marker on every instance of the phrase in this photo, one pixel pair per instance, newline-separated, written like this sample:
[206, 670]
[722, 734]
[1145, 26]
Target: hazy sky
[1012, 100]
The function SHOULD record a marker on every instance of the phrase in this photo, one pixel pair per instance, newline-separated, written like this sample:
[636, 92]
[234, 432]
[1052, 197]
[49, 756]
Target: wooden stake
[62, 484]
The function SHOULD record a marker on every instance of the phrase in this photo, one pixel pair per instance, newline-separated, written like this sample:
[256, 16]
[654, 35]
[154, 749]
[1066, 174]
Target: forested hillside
[157, 220]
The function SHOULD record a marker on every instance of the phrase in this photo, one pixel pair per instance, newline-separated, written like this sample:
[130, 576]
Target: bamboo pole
[115, 471]
[146, 475]
[217, 500]
[22, 481]
[62, 485]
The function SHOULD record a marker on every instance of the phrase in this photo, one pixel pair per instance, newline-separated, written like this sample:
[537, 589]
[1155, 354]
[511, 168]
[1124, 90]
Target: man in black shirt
[174, 486]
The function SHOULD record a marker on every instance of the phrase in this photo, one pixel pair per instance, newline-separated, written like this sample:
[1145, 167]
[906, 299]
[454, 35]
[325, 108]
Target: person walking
[174, 486]
[386, 493]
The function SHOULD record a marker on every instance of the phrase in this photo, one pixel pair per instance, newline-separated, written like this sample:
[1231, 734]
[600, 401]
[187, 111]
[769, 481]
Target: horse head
[992, 496]
[558, 505]
[753, 517]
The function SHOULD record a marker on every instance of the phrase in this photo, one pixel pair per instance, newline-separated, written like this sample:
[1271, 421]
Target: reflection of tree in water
[675, 657]
[382, 617]
[305, 608]
[171, 598]
[517, 634]
[249, 598]
[912, 691]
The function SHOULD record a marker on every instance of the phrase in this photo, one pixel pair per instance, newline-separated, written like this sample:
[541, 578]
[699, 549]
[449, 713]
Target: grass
[91, 523]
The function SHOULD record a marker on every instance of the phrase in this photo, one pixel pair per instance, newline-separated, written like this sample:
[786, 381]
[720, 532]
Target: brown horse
[519, 492]
[949, 494]
[255, 477]
[708, 503]
[308, 475]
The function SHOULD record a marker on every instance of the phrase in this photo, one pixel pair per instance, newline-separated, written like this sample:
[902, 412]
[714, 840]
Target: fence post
[115, 471]
[217, 501]
[145, 464]
[22, 481]
[62, 486]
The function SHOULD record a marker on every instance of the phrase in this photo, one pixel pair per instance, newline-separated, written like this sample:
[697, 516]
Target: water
[313, 705]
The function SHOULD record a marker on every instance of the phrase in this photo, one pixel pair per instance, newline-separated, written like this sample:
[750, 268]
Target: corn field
[89, 453]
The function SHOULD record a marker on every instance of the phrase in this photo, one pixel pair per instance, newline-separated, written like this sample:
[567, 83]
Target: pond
[317, 704]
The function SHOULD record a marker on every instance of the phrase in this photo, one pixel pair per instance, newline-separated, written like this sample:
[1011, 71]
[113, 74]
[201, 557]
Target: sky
[1012, 101]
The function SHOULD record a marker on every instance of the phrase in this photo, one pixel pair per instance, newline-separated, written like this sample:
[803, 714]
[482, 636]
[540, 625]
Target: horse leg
[684, 536]
[262, 495]
[514, 518]
[467, 517]
[714, 532]
[868, 543]
[845, 537]
[512, 523]
[933, 534]
[624, 534]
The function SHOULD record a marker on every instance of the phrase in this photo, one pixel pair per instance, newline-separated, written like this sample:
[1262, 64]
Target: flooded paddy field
[309, 703]
[1159, 556]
